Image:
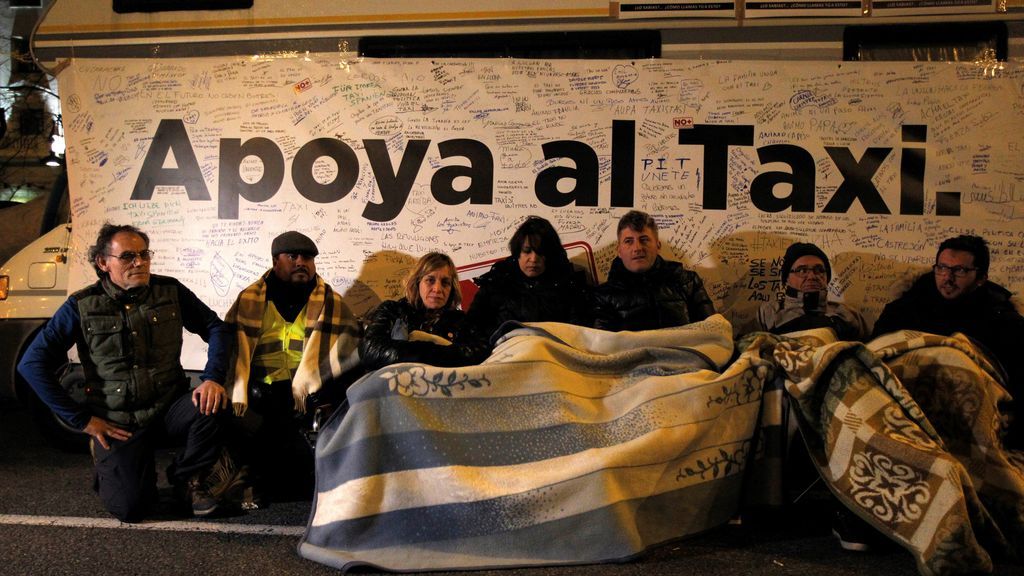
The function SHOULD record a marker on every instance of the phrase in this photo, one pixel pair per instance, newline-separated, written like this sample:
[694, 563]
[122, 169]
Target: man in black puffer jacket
[957, 296]
[645, 291]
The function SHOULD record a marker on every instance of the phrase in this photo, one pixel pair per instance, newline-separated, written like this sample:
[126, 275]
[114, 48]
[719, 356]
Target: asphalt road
[52, 523]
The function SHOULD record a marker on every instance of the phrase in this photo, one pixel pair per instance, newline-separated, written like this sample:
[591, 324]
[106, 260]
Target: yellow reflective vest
[279, 349]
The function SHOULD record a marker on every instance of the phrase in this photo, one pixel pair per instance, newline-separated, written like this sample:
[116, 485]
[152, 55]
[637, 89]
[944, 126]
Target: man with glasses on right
[957, 296]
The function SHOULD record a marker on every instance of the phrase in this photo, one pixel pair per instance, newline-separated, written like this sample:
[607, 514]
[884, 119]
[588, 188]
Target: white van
[33, 284]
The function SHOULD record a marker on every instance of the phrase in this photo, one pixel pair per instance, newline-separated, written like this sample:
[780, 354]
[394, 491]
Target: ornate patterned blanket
[904, 430]
[567, 446]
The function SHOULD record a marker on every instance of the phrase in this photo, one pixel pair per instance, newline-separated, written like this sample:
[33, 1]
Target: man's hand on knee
[209, 397]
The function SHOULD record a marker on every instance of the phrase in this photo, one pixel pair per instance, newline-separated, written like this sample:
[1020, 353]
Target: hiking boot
[198, 496]
[205, 492]
[853, 533]
[225, 481]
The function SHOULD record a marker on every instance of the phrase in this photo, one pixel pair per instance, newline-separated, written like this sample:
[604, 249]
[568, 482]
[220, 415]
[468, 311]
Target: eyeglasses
[956, 271]
[129, 257]
[817, 270]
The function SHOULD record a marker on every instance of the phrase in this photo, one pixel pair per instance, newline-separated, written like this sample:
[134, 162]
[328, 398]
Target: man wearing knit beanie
[804, 303]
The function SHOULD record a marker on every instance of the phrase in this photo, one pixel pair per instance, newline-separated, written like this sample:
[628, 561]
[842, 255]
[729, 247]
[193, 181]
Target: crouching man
[128, 329]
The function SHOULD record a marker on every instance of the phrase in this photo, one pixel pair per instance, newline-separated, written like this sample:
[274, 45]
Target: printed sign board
[382, 161]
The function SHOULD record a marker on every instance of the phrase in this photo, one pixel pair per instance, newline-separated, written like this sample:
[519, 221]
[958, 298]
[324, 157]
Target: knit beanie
[797, 250]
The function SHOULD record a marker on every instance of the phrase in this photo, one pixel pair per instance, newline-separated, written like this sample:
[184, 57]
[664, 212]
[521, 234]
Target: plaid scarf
[331, 345]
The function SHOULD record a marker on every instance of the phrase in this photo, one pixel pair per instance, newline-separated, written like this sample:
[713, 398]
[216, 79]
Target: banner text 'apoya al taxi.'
[472, 178]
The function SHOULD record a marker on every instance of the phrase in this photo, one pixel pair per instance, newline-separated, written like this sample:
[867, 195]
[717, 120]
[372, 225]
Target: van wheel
[55, 431]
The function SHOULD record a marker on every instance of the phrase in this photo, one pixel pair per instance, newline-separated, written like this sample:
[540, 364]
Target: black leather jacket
[507, 294]
[666, 295]
[386, 339]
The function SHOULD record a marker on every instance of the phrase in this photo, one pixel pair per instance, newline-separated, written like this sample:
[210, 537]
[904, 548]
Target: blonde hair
[427, 264]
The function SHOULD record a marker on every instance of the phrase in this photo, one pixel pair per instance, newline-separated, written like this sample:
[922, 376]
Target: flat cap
[292, 242]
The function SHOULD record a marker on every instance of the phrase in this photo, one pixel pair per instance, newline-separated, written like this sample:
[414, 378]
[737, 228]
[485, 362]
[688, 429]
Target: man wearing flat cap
[295, 337]
[806, 273]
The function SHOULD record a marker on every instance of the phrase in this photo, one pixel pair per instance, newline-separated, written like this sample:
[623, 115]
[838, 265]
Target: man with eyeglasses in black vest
[128, 330]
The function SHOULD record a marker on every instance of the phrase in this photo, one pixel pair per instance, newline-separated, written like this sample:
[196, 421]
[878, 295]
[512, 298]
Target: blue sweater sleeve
[48, 351]
[199, 319]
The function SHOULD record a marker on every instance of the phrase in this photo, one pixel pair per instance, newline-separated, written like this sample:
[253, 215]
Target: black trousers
[269, 438]
[126, 473]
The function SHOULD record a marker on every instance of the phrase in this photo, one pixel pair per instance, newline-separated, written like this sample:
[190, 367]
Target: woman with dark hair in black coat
[537, 283]
[430, 306]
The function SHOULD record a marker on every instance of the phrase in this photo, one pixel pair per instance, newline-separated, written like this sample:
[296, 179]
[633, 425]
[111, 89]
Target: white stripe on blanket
[646, 466]
[711, 337]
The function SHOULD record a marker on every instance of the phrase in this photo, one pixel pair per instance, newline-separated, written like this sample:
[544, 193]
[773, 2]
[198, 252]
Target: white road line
[175, 526]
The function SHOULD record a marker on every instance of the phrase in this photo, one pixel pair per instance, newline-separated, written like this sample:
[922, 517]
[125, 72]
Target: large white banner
[382, 161]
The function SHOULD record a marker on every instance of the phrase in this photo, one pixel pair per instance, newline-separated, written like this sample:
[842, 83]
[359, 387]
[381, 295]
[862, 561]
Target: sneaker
[853, 533]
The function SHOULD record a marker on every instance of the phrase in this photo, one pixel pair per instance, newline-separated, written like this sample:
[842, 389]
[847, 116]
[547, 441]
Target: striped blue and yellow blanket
[568, 445]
